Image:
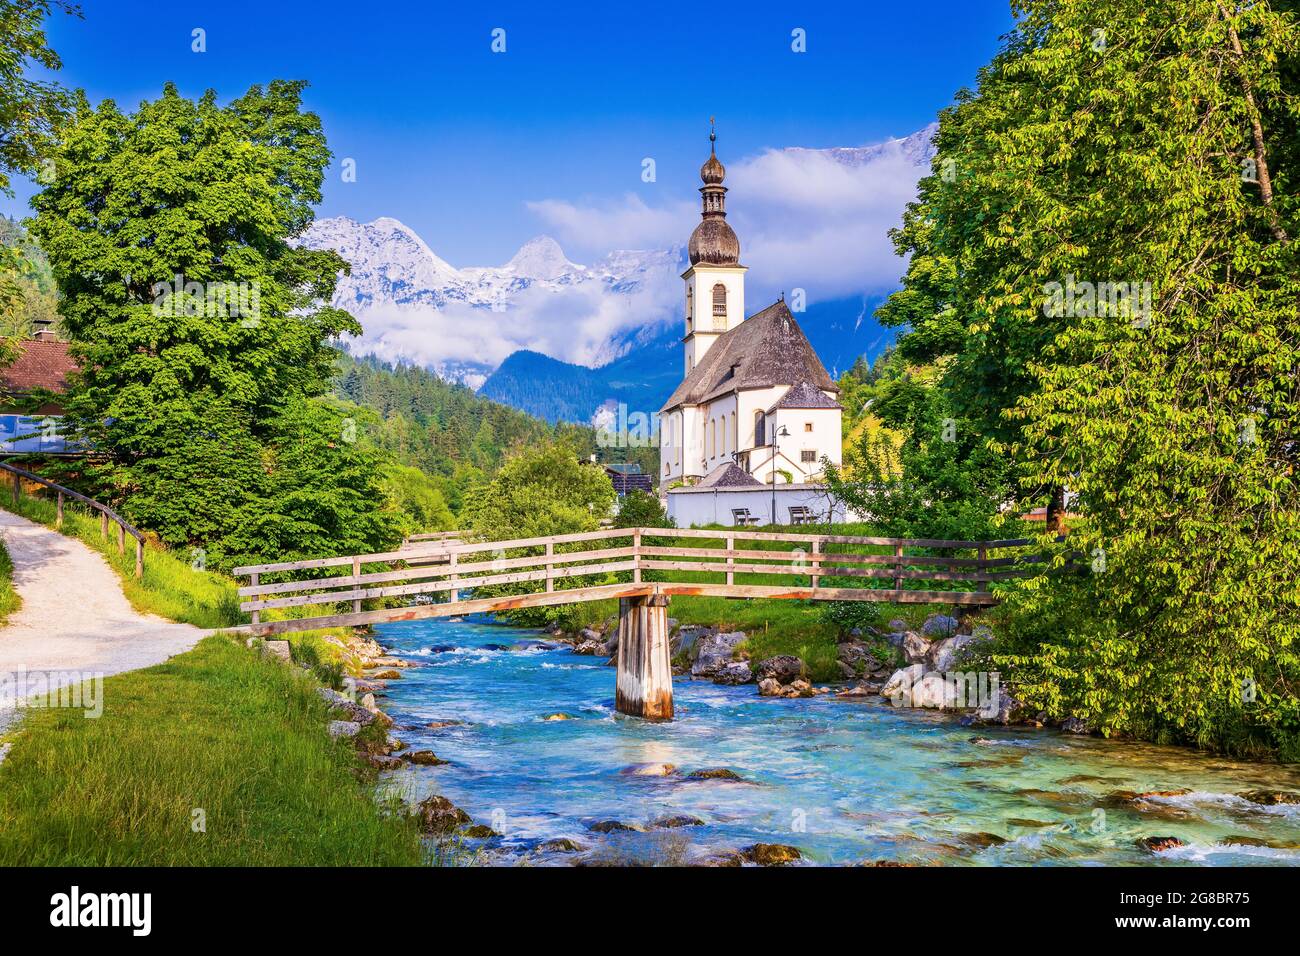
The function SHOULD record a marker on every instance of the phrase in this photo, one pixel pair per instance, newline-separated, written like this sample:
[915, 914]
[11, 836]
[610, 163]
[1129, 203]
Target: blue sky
[457, 141]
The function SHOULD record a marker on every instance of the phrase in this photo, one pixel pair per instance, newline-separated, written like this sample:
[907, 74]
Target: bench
[741, 517]
[799, 514]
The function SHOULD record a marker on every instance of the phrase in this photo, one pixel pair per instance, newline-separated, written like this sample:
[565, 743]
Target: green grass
[218, 729]
[171, 588]
[10, 601]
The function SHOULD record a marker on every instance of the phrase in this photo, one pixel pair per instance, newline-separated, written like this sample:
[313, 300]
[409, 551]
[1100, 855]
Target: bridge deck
[425, 579]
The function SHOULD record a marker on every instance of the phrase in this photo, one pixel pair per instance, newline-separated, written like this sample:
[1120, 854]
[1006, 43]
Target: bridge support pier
[645, 677]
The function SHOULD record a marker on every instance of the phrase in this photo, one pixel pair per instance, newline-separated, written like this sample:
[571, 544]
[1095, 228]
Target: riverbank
[218, 757]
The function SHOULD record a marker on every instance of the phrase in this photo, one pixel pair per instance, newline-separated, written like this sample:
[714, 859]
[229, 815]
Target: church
[756, 410]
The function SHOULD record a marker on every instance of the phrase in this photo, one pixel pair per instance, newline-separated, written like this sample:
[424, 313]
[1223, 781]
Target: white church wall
[718, 430]
[812, 430]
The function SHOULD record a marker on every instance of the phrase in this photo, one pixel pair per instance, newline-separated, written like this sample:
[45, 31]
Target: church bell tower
[715, 281]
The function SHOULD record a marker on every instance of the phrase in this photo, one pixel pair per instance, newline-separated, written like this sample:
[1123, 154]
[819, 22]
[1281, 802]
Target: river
[844, 780]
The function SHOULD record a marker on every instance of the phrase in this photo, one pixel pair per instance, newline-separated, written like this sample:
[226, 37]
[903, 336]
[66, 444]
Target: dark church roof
[766, 349]
[804, 395]
[729, 476]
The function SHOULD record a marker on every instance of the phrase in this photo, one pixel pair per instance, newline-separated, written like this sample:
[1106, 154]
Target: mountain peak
[541, 258]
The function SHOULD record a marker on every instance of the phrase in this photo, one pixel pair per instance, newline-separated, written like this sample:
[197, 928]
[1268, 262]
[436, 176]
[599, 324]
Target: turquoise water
[845, 781]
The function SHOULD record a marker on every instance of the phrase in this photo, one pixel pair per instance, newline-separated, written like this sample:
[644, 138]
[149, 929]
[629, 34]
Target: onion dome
[713, 242]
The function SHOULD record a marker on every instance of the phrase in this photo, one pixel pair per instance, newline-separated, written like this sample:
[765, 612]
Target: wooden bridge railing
[106, 513]
[618, 562]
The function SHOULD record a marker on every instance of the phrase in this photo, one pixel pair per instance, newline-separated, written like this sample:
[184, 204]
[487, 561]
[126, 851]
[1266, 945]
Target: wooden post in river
[645, 678]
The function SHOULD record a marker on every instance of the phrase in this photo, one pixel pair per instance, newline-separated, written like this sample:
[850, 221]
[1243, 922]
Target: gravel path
[74, 616]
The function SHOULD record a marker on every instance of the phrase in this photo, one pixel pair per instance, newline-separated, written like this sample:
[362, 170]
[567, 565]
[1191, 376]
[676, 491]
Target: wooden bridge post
[58, 514]
[815, 577]
[645, 679]
[255, 579]
[550, 566]
[103, 525]
[356, 573]
[636, 556]
[139, 558]
[731, 559]
[898, 567]
[121, 538]
[18, 488]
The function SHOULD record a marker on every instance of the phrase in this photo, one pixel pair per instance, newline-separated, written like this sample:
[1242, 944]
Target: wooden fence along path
[106, 514]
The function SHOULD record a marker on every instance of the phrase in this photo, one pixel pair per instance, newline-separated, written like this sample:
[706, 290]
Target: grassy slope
[218, 729]
[10, 601]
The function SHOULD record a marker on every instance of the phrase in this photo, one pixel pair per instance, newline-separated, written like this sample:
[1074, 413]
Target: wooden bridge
[642, 567]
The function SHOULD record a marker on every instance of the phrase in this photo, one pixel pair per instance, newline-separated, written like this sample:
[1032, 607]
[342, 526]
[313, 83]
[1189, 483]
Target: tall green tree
[1106, 250]
[199, 323]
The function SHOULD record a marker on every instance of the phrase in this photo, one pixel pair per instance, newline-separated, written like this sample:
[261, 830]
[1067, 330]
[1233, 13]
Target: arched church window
[690, 308]
[720, 300]
[760, 429]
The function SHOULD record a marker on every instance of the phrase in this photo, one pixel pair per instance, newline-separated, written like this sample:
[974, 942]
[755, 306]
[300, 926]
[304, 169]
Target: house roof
[804, 395]
[766, 349]
[40, 364]
[729, 475]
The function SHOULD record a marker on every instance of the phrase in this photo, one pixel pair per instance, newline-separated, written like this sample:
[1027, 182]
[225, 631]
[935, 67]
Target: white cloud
[594, 228]
[815, 219]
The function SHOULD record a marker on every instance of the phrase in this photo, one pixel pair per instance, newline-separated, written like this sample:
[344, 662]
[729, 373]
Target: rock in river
[425, 758]
[1158, 844]
[437, 814]
[561, 845]
[715, 773]
[737, 672]
[674, 821]
[771, 854]
[614, 826]
[1270, 798]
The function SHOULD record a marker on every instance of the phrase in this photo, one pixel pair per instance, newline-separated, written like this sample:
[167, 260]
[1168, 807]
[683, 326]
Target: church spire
[713, 240]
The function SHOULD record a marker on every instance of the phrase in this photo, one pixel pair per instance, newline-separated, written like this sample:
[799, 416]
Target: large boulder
[784, 668]
[914, 647]
[858, 658]
[714, 652]
[899, 686]
[769, 687]
[737, 672]
[944, 654]
[1003, 709]
[939, 625]
[589, 647]
[932, 690]
[344, 728]
[687, 638]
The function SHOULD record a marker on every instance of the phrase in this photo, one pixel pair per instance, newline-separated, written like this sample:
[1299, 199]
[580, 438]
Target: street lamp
[781, 432]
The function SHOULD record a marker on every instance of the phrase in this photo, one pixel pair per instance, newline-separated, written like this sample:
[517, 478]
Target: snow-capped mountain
[917, 150]
[464, 322]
